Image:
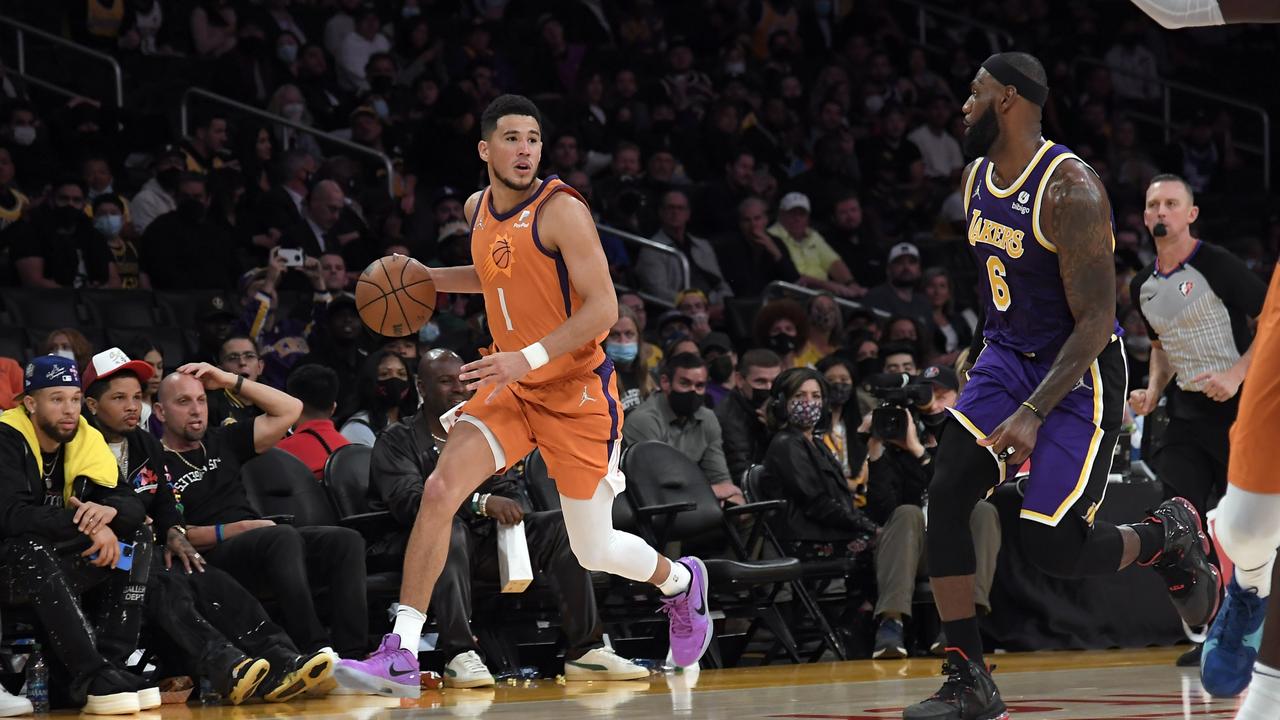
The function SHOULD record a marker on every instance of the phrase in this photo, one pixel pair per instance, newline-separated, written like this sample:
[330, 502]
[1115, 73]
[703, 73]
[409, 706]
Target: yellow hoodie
[86, 455]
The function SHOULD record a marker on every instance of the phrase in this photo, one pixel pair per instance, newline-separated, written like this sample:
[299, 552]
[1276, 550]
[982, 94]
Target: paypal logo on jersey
[1021, 203]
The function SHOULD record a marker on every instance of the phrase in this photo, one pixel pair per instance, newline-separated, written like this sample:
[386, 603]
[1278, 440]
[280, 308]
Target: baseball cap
[109, 362]
[672, 316]
[341, 299]
[46, 371]
[170, 151]
[794, 200]
[216, 307]
[446, 193]
[903, 248]
[942, 376]
[455, 227]
[716, 341]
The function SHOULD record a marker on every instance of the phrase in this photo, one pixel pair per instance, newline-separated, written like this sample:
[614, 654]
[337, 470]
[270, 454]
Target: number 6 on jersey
[999, 288]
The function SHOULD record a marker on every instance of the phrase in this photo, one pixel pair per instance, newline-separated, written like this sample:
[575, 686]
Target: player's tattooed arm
[1079, 222]
[461, 279]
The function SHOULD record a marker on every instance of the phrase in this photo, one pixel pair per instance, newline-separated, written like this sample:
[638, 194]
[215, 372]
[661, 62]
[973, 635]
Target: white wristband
[536, 355]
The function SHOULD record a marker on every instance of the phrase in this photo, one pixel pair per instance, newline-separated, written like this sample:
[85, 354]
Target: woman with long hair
[625, 346]
[826, 329]
[385, 392]
[904, 330]
[69, 343]
[952, 330]
[841, 431]
[141, 348]
[822, 519]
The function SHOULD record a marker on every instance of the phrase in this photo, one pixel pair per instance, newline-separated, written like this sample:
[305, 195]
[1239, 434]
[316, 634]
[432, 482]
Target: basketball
[395, 296]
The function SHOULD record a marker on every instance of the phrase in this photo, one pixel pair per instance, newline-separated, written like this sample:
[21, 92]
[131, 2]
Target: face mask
[168, 179]
[720, 369]
[67, 216]
[868, 366]
[734, 69]
[429, 333]
[108, 225]
[759, 396]
[622, 353]
[684, 404]
[391, 391]
[782, 343]
[64, 353]
[839, 393]
[287, 53]
[191, 209]
[823, 319]
[381, 107]
[410, 11]
[803, 414]
[380, 84]
[24, 134]
[293, 111]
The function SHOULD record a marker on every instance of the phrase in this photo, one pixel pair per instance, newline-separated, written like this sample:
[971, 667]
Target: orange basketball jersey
[527, 292]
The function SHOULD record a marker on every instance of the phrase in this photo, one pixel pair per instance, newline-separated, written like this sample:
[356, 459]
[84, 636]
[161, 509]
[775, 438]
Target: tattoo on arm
[1079, 220]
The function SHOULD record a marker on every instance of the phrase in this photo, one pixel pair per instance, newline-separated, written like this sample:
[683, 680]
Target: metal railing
[773, 288]
[1001, 39]
[645, 242]
[21, 30]
[1166, 121]
[281, 120]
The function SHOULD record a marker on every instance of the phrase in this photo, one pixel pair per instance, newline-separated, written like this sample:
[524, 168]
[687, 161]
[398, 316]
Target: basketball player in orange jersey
[1175, 14]
[549, 302]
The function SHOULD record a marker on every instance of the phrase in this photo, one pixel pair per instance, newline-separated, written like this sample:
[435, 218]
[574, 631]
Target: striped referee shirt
[1200, 311]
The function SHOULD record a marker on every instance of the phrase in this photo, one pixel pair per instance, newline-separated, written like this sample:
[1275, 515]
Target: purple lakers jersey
[1027, 307]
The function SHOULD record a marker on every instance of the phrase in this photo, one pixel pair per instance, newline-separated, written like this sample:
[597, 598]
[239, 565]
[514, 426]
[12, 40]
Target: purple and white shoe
[389, 671]
[688, 614]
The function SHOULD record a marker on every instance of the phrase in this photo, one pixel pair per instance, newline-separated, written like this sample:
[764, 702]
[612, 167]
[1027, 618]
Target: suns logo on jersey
[993, 233]
[501, 258]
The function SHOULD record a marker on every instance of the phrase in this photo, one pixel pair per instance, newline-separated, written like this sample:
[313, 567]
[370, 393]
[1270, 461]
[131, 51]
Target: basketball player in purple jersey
[1048, 384]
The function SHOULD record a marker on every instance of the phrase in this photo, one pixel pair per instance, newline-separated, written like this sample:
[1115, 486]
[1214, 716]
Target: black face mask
[839, 393]
[684, 404]
[380, 84]
[759, 396]
[168, 179]
[391, 392]
[720, 369]
[868, 367]
[191, 209]
[782, 343]
[67, 216]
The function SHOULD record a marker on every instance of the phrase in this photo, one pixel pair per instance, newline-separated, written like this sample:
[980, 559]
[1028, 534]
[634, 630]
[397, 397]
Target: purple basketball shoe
[688, 615]
[389, 671]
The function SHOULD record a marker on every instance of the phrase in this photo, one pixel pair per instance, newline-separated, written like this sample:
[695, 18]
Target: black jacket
[744, 437]
[820, 503]
[22, 493]
[151, 482]
[403, 457]
[897, 478]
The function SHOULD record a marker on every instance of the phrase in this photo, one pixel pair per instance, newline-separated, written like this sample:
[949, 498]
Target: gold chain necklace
[184, 460]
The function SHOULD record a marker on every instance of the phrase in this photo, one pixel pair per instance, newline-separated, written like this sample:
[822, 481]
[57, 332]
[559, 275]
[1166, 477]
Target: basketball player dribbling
[1048, 384]
[550, 302]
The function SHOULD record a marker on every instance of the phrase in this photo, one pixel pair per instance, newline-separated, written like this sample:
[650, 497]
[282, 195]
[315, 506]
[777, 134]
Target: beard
[512, 184]
[52, 430]
[981, 136]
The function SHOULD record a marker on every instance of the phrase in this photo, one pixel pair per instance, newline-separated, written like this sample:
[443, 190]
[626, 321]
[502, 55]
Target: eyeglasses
[240, 357]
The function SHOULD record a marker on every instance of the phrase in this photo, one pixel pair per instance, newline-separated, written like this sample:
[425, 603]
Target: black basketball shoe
[968, 693]
[1195, 586]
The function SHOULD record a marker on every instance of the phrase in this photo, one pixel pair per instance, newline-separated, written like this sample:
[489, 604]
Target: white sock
[678, 581]
[1264, 694]
[1259, 578]
[408, 626]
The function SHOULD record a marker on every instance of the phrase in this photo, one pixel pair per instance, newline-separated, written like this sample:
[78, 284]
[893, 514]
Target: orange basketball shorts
[1252, 465]
[576, 422]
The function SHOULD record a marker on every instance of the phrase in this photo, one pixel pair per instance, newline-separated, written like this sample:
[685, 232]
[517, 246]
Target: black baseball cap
[216, 307]
[942, 376]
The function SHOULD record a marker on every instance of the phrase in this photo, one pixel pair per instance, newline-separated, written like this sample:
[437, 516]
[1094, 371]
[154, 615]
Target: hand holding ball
[395, 296]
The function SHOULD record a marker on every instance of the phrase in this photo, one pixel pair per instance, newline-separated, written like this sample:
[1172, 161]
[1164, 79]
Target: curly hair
[776, 310]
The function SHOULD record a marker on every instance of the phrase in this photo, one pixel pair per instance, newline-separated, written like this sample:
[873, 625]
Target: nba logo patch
[1185, 287]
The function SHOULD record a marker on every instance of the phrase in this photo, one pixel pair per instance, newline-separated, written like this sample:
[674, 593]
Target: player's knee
[1246, 543]
[593, 553]
[1045, 547]
[439, 495]
[950, 497]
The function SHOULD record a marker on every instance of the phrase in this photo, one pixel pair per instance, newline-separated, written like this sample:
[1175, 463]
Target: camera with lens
[899, 395]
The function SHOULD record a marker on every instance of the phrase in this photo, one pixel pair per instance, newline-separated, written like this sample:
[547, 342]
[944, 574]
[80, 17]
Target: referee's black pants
[1192, 463]
[290, 564]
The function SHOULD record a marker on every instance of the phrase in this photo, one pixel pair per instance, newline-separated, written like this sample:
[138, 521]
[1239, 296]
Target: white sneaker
[467, 670]
[603, 664]
[149, 698]
[11, 706]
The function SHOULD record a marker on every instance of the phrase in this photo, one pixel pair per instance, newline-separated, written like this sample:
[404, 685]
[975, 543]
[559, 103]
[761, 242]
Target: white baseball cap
[903, 248]
[111, 361]
[794, 200]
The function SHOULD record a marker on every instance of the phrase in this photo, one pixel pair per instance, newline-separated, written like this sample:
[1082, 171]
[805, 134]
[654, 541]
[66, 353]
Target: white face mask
[64, 353]
[24, 134]
[293, 111]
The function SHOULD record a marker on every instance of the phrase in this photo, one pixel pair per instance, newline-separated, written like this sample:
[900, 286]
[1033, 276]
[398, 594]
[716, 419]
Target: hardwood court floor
[1053, 685]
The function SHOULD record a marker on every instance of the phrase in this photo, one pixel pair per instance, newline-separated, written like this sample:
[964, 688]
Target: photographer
[821, 520]
[901, 433]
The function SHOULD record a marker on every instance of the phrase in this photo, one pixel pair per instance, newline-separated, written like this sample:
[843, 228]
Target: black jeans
[76, 601]
[290, 564]
[474, 555]
[213, 623]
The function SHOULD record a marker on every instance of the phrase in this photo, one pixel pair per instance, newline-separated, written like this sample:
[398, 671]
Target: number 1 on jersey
[502, 303]
[999, 288]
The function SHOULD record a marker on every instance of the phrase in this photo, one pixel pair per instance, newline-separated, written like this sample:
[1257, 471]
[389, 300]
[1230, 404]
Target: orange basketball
[395, 296]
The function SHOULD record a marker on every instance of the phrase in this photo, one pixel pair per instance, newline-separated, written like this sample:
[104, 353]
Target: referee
[1198, 302]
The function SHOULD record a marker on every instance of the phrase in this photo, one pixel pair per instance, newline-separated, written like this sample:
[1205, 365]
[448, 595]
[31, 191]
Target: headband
[1007, 74]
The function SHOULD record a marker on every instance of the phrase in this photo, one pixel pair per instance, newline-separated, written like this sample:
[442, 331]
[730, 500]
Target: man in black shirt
[263, 556]
[209, 616]
[63, 513]
[743, 426]
[751, 258]
[58, 247]
[184, 250]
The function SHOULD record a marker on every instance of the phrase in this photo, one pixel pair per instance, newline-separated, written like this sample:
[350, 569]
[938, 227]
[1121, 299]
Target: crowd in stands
[811, 142]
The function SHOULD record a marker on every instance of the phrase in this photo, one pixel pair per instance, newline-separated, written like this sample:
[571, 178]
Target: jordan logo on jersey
[501, 258]
[586, 397]
[990, 232]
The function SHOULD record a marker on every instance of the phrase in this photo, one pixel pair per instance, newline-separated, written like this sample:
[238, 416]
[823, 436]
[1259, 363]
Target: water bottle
[38, 681]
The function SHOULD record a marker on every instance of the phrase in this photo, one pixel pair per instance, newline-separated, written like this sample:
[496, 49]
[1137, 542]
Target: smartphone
[125, 562]
[293, 257]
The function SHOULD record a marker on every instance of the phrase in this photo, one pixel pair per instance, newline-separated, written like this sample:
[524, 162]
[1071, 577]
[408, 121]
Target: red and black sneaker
[968, 693]
[1195, 586]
